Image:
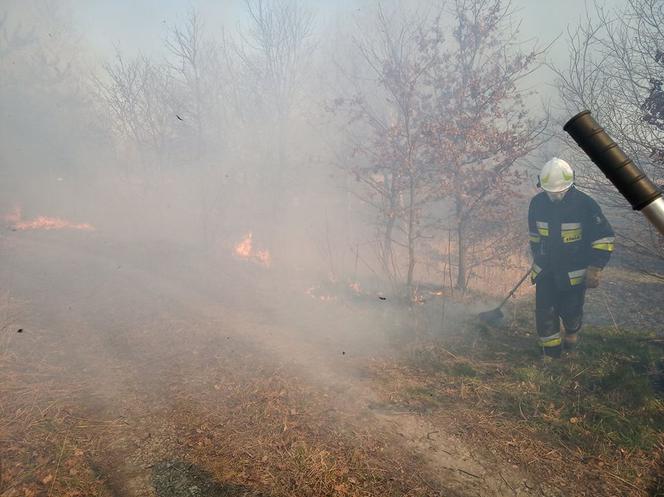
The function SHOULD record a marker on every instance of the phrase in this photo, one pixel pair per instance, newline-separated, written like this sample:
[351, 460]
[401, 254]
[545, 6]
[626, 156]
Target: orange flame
[245, 250]
[43, 223]
[51, 223]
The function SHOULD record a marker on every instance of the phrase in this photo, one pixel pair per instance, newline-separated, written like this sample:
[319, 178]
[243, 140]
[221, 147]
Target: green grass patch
[462, 369]
[609, 395]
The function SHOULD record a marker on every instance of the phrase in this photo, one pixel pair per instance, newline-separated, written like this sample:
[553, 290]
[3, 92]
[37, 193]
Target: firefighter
[571, 242]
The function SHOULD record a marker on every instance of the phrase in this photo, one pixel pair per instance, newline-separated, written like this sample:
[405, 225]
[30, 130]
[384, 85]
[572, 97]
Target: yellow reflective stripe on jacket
[606, 244]
[577, 277]
[535, 237]
[551, 341]
[543, 228]
[571, 232]
[534, 271]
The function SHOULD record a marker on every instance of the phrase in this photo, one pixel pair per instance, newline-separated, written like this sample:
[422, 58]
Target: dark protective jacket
[568, 236]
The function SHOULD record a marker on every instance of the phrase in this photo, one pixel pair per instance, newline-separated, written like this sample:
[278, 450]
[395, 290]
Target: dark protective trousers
[553, 304]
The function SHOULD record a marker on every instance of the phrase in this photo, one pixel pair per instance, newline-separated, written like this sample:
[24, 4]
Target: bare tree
[387, 137]
[137, 94]
[274, 51]
[616, 69]
[274, 54]
[481, 126]
[41, 76]
[443, 134]
[192, 62]
[187, 63]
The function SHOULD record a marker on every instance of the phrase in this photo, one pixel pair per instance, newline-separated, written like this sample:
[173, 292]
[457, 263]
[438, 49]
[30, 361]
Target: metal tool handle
[627, 177]
[523, 278]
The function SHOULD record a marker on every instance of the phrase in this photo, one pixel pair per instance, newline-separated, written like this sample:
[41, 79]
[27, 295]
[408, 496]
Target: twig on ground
[431, 433]
[467, 473]
[580, 373]
[624, 481]
[506, 482]
[608, 308]
[448, 352]
[57, 466]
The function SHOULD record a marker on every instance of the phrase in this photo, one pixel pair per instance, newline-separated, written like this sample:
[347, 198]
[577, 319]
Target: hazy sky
[134, 25]
[142, 23]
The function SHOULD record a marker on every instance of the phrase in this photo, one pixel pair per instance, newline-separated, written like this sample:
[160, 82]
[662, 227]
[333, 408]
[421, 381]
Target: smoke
[213, 192]
[249, 120]
[171, 161]
[222, 161]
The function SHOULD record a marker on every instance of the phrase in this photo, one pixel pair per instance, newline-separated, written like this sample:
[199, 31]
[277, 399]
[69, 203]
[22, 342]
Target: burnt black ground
[183, 479]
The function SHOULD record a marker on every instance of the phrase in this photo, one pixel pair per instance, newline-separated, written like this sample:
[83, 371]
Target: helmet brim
[560, 190]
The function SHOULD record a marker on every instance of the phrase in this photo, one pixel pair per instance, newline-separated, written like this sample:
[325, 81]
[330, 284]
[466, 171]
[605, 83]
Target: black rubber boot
[569, 343]
[553, 352]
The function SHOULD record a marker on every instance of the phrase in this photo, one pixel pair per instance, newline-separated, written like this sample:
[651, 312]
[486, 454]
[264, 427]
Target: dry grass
[592, 425]
[8, 319]
[630, 275]
[43, 445]
[249, 422]
[76, 423]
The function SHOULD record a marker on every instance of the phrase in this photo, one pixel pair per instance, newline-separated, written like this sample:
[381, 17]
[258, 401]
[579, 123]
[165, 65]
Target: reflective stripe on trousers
[553, 304]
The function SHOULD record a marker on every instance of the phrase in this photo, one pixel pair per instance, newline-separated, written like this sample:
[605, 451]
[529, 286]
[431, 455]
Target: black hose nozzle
[633, 183]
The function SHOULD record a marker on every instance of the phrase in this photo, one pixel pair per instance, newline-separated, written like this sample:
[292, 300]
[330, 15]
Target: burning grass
[51, 223]
[43, 223]
[245, 250]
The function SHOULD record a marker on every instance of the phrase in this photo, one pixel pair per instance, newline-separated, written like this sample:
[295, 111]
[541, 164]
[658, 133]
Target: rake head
[494, 316]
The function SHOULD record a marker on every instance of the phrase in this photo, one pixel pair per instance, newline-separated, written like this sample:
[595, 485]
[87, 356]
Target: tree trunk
[391, 218]
[461, 274]
[411, 237]
[387, 247]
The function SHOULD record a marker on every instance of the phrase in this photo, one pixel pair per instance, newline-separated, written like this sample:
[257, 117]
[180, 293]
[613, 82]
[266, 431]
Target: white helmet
[556, 176]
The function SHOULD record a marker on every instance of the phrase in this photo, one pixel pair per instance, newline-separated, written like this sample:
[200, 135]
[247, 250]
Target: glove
[593, 276]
